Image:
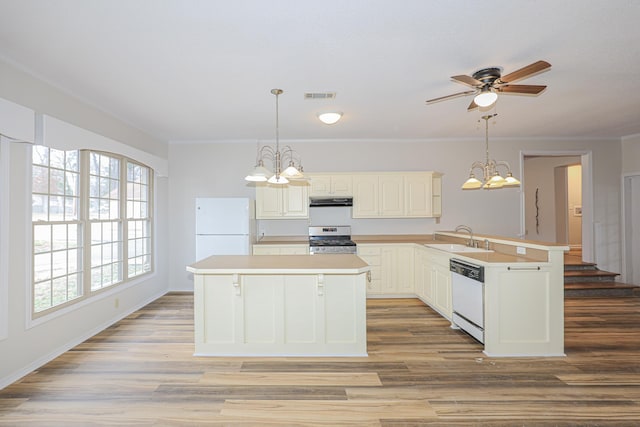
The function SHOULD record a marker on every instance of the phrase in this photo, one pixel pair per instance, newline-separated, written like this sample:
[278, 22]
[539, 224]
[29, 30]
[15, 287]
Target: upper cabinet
[331, 185]
[282, 201]
[397, 195]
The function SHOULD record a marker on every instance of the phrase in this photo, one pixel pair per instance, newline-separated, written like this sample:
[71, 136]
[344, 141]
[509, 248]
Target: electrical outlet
[116, 303]
[520, 250]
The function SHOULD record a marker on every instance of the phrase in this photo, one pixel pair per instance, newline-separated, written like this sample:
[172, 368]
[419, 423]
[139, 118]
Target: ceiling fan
[488, 82]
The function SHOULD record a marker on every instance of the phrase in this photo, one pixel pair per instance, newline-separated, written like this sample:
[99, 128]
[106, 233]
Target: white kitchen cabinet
[397, 195]
[423, 194]
[524, 309]
[280, 314]
[378, 195]
[423, 283]
[331, 185]
[392, 268]
[279, 249]
[371, 254]
[282, 201]
[437, 281]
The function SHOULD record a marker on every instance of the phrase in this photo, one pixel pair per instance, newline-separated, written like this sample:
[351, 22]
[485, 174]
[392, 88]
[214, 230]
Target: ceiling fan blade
[472, 105]
[467, 80]
[455, 95]
[524, 89]
[527, 71]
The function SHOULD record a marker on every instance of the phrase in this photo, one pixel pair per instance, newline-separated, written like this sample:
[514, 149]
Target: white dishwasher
[467, 297]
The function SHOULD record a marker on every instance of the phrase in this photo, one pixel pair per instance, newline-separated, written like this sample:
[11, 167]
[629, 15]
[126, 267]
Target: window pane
[72, 161]
[41, 296]
[71, 208]
[59, 260]
[59, 236]
[40, 155]
[56, 208]
[41, 238]
[42, 267]
[39, 179]
[56, 158]
[59, 290]
[56, 181]
[72, 183]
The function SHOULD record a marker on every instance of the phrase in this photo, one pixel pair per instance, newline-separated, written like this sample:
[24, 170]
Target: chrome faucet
[468, 230]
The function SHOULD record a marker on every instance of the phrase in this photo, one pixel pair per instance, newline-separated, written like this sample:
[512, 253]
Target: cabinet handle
[236, 284]
[524, 268]
[369, 276]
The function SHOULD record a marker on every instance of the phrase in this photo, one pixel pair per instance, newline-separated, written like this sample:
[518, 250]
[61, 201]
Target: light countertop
[280, 264]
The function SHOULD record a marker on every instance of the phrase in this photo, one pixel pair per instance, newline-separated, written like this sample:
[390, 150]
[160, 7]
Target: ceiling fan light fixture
[485, 98]
[329, 118]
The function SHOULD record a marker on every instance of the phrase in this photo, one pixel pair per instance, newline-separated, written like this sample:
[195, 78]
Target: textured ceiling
[203, 70]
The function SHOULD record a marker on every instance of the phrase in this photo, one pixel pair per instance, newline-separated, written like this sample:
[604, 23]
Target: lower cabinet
[291, 249]
[392, 268]
[433, 280]
[263, 314]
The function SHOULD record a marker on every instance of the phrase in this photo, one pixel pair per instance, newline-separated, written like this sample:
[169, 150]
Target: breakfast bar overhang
[280, 305]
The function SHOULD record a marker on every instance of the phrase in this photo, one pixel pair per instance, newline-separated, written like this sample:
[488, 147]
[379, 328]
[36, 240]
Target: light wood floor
[419, 372]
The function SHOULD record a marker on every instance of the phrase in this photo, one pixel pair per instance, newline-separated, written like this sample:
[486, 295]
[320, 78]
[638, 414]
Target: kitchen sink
[455, 247]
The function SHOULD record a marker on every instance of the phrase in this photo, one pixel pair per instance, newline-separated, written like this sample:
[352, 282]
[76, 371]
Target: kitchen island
[286, 305]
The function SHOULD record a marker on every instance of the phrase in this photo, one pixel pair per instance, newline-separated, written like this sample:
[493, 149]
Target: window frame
[87, 291]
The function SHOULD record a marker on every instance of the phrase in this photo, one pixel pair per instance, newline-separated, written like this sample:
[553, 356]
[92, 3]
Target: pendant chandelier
[278, 157]
[491, 177]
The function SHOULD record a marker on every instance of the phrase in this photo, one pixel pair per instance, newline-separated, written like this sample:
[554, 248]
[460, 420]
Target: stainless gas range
[331, 240]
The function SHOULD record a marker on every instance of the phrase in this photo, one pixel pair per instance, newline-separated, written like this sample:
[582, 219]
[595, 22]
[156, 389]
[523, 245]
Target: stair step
[580, 267]
[589, 276]
[600, 289]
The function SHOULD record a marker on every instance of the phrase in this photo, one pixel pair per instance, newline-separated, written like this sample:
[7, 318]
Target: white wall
[27, 345]
[217, 169]
[631, 154]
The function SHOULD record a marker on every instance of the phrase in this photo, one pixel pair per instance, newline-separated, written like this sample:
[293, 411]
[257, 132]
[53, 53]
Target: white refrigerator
[224, 226]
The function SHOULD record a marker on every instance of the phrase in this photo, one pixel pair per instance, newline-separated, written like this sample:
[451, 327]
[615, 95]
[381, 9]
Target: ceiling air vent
[319, 95]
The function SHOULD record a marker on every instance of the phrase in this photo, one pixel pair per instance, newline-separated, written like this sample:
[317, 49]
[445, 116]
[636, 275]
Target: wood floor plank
[326, 412]
[355, 379]
[141, 371]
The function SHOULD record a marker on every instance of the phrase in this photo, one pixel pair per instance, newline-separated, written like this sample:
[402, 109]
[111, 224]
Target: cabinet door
[365, 196]
[404, 270]
[417, 188]
[371, 255]
[268, 201]
[441, 278]
[282, 201]
[388, 269]
[436, 195]
[320, 185]
[342, 185]
[391, 198]
[296, 200]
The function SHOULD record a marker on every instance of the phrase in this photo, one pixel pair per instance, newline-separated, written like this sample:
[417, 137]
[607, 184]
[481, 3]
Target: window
[91, 223]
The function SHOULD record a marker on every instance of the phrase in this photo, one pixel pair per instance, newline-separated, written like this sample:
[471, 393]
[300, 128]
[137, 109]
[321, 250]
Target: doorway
[557, 200]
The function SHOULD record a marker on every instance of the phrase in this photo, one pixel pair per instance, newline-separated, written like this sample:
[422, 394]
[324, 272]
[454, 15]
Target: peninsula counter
[284, 305]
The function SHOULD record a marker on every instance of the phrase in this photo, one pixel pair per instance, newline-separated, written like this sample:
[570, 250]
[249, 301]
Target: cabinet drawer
[368, 250]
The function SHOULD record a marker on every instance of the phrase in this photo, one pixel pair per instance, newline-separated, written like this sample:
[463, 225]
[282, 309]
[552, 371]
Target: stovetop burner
[331, 240]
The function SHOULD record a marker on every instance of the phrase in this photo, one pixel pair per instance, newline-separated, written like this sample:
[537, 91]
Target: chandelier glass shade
[278, 157]
[491, 178]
